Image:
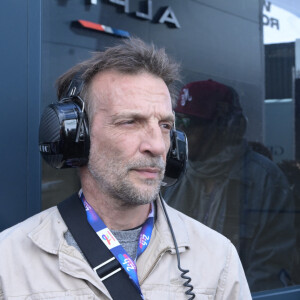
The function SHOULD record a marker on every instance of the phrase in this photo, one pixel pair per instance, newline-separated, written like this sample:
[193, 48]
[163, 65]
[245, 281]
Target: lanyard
[114, 246]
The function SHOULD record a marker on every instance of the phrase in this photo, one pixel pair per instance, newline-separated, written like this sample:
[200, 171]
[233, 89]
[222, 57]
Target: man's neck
[115, 214]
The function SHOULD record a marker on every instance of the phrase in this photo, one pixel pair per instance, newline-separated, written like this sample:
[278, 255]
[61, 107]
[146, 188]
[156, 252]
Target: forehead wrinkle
[145, 93]
[123, 87]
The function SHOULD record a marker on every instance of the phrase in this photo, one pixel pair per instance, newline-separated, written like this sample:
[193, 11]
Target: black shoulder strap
[99, 257]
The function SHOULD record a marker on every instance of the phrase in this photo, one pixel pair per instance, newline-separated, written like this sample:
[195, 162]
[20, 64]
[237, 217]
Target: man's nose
[154, 141]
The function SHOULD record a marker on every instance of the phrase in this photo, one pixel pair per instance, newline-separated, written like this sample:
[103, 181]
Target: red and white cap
[205, 99]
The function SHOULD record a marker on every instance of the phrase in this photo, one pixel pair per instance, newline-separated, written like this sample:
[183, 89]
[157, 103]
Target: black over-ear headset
[231, 120]
[64, 139]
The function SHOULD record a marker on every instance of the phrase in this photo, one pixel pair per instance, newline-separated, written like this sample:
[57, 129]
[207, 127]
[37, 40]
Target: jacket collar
[162, 241]
[179, 227]
[49, 236]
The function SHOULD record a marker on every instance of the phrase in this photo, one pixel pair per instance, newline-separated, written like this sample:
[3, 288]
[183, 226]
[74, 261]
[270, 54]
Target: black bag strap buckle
[108, 268]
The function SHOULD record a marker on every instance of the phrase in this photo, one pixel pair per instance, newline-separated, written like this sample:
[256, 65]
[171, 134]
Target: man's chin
[145, 193]
[149, 186]
[136, 191]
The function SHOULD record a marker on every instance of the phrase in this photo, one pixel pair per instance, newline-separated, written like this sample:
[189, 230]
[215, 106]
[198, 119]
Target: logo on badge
[86, 206]
[144, 240]
[108, 239]
[127, 261]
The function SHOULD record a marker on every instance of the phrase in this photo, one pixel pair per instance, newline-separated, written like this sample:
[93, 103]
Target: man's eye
[166, 126]
[128, 122]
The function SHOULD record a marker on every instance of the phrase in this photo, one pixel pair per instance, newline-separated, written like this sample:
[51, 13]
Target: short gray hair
[133, 56]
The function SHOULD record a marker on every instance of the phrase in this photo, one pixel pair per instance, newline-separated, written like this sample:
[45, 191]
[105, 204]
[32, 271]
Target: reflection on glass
[232, 188]
[57, 184]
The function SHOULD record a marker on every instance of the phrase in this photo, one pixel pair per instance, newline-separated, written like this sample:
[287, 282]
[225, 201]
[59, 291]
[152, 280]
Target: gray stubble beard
[118, 185]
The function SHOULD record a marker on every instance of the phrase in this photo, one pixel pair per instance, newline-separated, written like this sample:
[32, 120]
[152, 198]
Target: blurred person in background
[231, 188]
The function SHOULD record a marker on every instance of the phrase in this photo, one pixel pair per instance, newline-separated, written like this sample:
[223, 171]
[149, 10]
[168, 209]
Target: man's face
[130, 135]
[200, 134]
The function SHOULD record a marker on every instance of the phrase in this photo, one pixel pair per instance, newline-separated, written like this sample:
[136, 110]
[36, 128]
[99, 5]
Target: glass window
[239, 105]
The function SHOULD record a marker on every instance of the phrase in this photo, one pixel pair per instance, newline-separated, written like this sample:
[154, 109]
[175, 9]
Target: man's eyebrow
[169, 118]
[137, 115]
[128, 114]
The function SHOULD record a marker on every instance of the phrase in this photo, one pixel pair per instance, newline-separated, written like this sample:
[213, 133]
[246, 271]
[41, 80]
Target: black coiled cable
[183, 272]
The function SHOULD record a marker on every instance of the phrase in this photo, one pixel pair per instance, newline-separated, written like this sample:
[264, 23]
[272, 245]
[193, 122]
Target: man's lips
[148, 172]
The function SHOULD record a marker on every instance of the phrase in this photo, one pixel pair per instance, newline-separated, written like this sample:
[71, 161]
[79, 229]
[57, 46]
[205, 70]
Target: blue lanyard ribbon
[114, 246]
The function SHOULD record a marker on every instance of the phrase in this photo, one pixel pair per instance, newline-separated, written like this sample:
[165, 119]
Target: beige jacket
[36, 262]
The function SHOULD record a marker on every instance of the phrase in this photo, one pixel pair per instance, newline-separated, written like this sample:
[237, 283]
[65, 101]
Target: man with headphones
[231, 188]
[115, 238]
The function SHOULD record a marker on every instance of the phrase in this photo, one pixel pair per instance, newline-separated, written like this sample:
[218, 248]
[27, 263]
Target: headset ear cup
[49, 136]
[57, 135]
[176, 158]
[236, 122]
[243, 125]
[236, 127]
